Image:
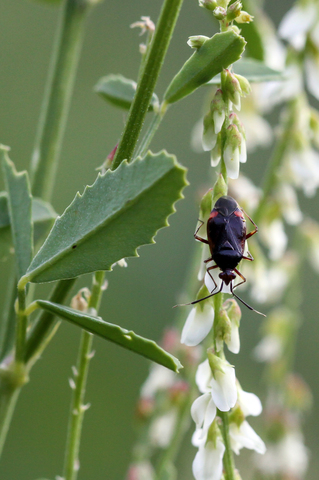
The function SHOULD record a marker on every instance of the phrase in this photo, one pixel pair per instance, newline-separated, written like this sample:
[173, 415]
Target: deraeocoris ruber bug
[226, 237]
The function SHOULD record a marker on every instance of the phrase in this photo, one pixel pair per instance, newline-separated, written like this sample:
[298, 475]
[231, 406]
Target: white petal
[210, 415]
[208, 462]
[198, 438]
[237, 100]
[209, 139]
[203, 377]
[198, 409]
[160, 378]
[249, 403]
[210, 284]
[224, 389]
[312, 75]
[198, 324]
[231, 158]
[196, 137]
[245, 436]
[219, 118]
[162, 429]
[296, 23]
[215, 155]
[243, 151]
[234, 342]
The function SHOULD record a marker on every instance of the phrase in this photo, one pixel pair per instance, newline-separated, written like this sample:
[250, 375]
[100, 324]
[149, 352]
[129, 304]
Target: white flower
[198, 324]
[221, 385]
[249, 403]
[231, 157]
[160, 378]
[269, 349]
[219, 118]
[233, 343]
[275, 238]
[208, 462]
[245, 436]
[296, 23]
[196, 136]
[312, 74]
[203, 412]
[209, 137]
[289, 204]
[162, 428]
[289, 457]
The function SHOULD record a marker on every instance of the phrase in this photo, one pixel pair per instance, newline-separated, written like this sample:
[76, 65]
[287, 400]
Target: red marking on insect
[226, 237]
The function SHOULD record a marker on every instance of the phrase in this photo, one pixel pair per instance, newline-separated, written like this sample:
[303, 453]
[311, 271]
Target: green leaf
[211, 58]
[43, 217]
[114, 333]
[120, 91]
[19, 206]
[254, 71]
[121, 211]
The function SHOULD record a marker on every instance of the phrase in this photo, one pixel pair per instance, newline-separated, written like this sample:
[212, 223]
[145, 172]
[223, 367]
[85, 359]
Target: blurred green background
[139, 297]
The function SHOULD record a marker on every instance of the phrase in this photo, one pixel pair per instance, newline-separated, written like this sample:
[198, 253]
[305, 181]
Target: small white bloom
[216, 154]
[219, 118]
[162, 429]
[233, 343]
[196, 136]
[275, 238]
[198, 324]
[289, 457]
[269, 349]
[209, 137]
[249, 403]
[296, 23]
[203, 412]
[221, 384]
[160, 378]
[312, 74]
[231, 157]
[245, 436]
[208, 462]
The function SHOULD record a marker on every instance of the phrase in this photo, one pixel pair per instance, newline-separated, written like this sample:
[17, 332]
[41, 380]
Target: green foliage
[252, 70]
[20, 211]
[121, 211]
[114, 333]
[211, 58]
[120, 91]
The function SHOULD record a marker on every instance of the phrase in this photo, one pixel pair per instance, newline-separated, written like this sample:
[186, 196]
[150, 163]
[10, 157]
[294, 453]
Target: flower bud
[81, 299]
[216, 153]
[244, 84]
[219, 189]
[209, 4]
[232, 151]
[244, 17]
[222, 330]
[219, 13]
[233, 311]
[236, 416]
[231, 87]
[206, 204]
[196, 41]
[234, 10]
[218, 108]
[216, 364]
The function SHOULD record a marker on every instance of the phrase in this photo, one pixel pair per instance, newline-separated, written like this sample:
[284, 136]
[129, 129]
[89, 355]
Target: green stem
[228, 458]
[153, 63]
[57, 97]
[8, 323]
[8, 400]
[22, 323]
[45, 325]
[153, 126]
[77, 406]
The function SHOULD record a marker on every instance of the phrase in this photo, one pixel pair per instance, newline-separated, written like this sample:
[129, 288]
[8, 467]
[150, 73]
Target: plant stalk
[71, 465]
[153, 63]
[57, 97]
[228, 458]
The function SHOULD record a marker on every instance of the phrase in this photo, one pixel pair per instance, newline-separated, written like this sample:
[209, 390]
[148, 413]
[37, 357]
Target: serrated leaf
[254, 71]
[43, 216]
[211, 58]
[19, 206]
[121, 211]
[120, 91]
[114, 333]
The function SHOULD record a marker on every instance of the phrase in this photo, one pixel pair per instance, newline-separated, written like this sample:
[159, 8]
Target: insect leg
[208, 271]
[200, 239]
[250, 257]
[241, 276]
[242, 301]
[256, 228]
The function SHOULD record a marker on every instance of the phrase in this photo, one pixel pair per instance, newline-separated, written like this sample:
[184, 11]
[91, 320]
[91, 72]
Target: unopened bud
[219, 189]
[80, 300]
[206, 204]
[244, 84]
[236, 416]
[216, 364]
[218, 109]
[209, 4]
[244, 17]
[197, 41]
[233, 311]
[231, 88]
[223, 330]
[234, 10]
[219, 13]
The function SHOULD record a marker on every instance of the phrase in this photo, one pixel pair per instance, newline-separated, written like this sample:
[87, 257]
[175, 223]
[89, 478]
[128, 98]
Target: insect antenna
[201, 299]
[248, 306]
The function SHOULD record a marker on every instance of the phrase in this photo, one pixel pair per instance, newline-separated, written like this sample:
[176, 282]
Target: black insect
[226, 236]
